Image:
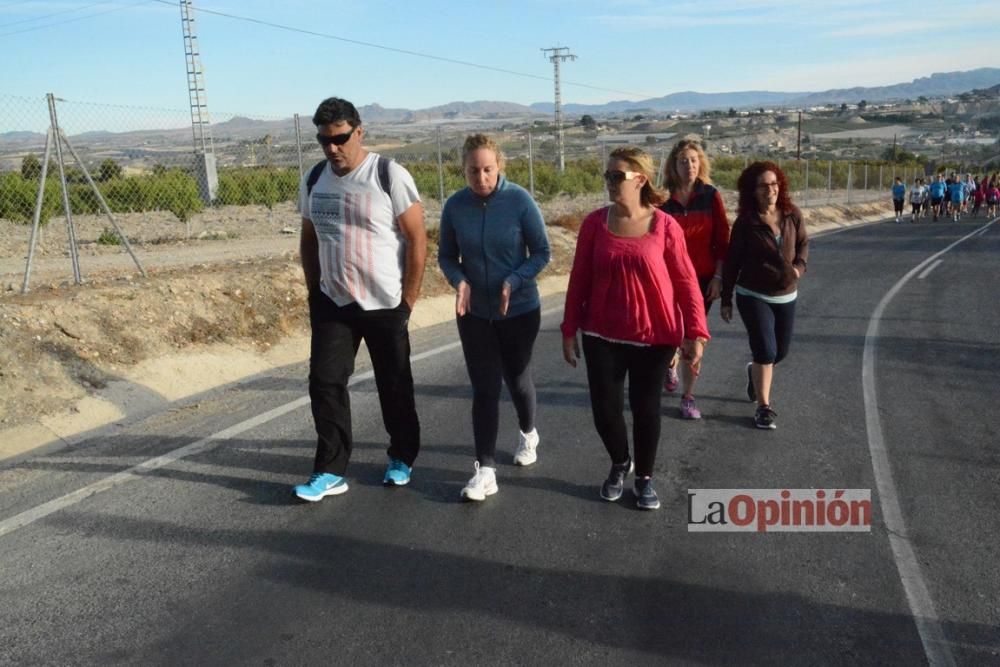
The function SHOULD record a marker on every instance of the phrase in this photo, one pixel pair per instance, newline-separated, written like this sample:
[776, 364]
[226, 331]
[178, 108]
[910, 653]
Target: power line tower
[204, 149]
[559, 54]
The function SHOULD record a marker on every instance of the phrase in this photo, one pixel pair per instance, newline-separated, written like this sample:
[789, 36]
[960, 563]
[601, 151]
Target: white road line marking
[917, 594]
[934, 265]
[28, 517]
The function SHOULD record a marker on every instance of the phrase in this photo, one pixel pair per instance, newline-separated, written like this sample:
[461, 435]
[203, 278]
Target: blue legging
[769, 326]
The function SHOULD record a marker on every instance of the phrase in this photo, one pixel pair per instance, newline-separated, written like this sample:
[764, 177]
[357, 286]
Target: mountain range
[936, 85]
[941, 84]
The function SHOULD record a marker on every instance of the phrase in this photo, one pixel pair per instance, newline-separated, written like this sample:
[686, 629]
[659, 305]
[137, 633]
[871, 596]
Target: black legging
[493, 350]
[769, 326]
[607, 365]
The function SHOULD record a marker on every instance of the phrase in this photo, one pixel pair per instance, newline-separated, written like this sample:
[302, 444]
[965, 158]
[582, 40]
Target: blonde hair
[474, 142]
[641, 162]
[670, 178]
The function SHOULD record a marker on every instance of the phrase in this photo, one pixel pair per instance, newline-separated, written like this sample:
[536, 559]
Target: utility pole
[559, 54]
[204, 150]
[798, 141]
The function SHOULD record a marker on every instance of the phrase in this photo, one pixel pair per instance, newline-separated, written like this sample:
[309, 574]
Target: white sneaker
[527, 443]
[482, 484]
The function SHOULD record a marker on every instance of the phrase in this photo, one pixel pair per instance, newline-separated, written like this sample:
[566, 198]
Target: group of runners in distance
[952, 197]
[646, 270]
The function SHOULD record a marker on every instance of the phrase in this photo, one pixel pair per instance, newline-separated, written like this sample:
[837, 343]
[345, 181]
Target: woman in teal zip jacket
[492, 247]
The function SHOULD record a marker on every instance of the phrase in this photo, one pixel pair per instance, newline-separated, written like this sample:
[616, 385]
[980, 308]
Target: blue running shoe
[397, 474]
[320, 485]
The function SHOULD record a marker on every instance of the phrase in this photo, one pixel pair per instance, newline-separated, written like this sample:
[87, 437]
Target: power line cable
[407, 52]
[78, 18]
[11, 4]
[47, 16]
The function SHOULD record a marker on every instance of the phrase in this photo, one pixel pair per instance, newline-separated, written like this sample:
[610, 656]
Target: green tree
[109, 170]
[31, 167]
[588, 122]
[862, 105]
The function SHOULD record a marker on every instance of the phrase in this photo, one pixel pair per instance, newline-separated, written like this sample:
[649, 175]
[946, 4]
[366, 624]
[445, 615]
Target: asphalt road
[204, 557]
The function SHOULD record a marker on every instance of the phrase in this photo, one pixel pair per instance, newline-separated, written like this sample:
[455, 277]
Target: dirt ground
[229, 280]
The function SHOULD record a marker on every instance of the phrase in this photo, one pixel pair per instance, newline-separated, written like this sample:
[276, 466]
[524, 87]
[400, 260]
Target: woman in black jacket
[768, 253]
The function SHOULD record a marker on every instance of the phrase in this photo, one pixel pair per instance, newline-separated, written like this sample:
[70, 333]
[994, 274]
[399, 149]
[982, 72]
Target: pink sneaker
[688, 409]
[672, 381]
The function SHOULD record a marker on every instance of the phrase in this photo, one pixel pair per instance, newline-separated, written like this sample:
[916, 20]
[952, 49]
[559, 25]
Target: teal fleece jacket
[487, 241]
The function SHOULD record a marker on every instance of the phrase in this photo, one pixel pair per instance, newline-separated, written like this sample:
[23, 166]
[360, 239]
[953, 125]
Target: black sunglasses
[615, 176]
[335, 140]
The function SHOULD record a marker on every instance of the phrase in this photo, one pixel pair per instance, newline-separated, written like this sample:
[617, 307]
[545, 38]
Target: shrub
[109, 237]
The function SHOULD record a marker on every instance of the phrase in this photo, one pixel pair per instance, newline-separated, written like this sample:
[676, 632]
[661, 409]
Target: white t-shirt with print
[361, 248]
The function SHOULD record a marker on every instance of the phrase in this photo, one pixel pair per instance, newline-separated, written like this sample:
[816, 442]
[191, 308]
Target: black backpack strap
[314, 175]
[383, 175]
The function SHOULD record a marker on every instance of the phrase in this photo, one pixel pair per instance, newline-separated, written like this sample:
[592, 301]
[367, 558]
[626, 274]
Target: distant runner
[937, 191]
[918, 195]
[956, 195]
[898, 198]
[992, 196]
[978, 197]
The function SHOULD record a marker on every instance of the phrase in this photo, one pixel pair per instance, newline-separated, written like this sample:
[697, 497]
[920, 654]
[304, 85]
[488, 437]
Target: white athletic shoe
[482, 484]
[527, 443]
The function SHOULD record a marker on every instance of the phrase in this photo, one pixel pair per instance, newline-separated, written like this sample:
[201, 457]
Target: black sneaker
[614, 485]
[645, 496]
[765, 417]
[751, 393]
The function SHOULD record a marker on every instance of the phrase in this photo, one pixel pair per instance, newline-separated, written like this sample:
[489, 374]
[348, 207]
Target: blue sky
[130, 52]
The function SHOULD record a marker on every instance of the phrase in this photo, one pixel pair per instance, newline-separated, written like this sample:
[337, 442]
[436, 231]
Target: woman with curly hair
[697, 206]
[768, 253]
[633, 293]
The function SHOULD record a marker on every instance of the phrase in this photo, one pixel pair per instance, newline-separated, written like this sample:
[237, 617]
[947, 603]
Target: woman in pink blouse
[634, 295]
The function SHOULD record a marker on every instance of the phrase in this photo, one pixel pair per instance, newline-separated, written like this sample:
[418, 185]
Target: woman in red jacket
[634, 294]
[697, 206]
[768, 253]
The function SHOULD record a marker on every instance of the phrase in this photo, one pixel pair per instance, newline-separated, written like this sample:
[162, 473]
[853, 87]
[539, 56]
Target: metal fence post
[805, 196]
[36, 219]
[866, 180]
[73, 252]
[531, 167]
[880, 177]
[440, 168]
[850, 177]
[829, 179]
[298, 145]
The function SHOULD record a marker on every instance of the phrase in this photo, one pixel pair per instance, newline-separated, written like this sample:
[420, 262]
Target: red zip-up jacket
[705, 225]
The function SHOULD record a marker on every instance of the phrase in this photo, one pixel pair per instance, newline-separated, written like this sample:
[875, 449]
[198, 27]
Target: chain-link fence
[141, 160]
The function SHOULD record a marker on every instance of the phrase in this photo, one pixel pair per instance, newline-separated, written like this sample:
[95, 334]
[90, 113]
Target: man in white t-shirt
[363, 247]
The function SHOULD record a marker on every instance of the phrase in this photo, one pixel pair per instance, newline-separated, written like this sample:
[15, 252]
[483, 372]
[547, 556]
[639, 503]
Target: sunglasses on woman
[335, 140]
[616, 176]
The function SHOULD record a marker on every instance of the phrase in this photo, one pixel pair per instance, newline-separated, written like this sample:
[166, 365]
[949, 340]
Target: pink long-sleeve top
[637, 290]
